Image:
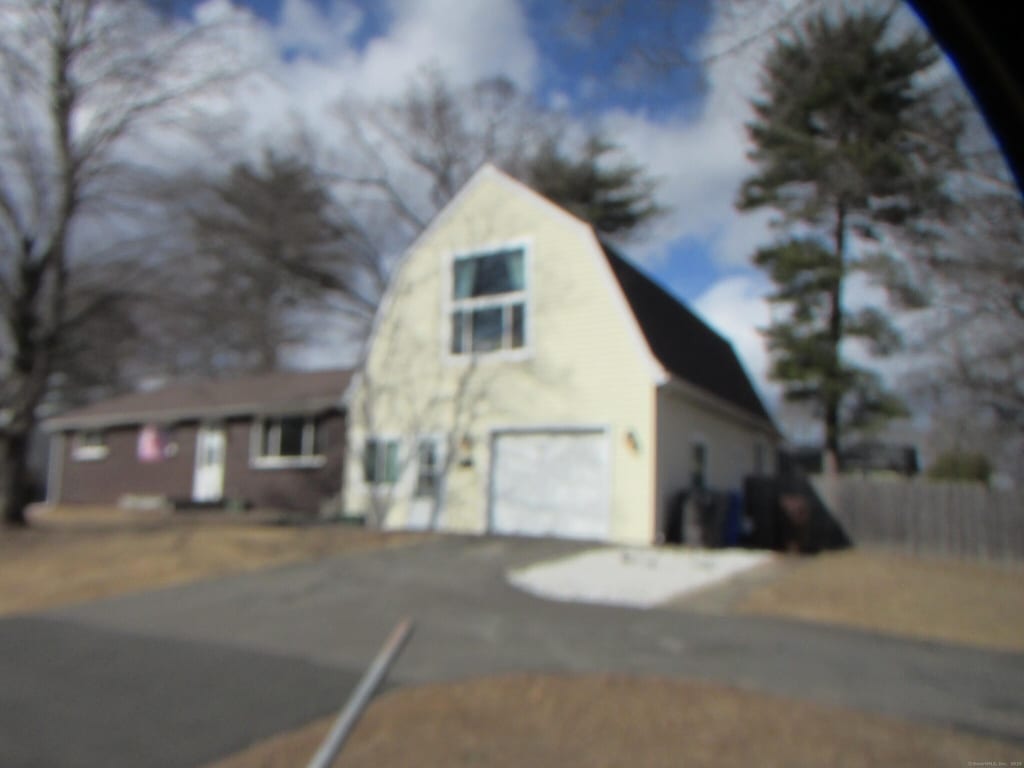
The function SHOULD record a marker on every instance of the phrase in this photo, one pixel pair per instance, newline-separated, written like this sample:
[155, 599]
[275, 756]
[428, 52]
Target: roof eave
[304, 407]
[711, 400]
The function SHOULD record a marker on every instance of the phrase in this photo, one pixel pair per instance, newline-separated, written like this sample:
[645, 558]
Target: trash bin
[672, 527]
[733, 520]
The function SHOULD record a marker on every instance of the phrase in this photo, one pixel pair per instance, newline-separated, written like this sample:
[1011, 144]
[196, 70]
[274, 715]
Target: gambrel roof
[683, 343]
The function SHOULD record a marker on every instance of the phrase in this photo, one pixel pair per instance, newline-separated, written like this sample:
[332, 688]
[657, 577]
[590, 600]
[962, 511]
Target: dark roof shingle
[295, 391]
[682, 342]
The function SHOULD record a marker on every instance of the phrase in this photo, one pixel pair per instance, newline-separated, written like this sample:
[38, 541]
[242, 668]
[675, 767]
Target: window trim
[437, 442]
[80, 451]
[385, 483]
[308, 459]
[450, 305]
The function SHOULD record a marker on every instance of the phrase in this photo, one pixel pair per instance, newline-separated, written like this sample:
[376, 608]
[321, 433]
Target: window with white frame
[287, 440]
[380, 461]
[428, 467]
[89, 446]
[488, 308]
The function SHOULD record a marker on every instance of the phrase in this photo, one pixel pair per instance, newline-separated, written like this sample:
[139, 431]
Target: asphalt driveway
[180, 676]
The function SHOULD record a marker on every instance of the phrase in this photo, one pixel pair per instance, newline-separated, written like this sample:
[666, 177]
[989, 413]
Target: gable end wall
[583, 366]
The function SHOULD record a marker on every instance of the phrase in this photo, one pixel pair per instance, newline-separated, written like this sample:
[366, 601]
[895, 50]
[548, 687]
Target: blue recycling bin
[733, 520]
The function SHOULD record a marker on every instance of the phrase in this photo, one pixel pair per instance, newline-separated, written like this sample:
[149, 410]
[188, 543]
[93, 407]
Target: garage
[551, 483]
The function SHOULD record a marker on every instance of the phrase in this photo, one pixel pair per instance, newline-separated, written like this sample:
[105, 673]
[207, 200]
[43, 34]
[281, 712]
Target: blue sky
[685, 125]
[592, 70]
[574, 51]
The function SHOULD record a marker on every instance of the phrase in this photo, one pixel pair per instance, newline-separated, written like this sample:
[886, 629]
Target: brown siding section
[299, 489]
[106, 480]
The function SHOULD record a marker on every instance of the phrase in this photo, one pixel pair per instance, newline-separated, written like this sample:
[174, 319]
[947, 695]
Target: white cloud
[302, 68]
[467, 41]
[215, 12]
[305, 29]
[306, 64]
[309, 60]
[701, 161]
[700, 165]
[736, 307]
[702, 158]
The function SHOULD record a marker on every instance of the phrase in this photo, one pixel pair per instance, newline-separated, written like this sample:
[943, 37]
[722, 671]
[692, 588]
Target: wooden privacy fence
[926, 517]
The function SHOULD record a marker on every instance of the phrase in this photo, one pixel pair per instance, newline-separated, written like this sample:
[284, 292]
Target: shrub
[961, 465]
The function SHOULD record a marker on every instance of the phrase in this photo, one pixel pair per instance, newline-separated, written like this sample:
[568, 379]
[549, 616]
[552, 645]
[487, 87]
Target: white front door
[208, 482]
[424, 507]
[553, 483]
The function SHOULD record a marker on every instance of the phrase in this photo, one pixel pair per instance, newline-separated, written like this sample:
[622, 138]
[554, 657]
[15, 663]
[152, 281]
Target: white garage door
[551, 484]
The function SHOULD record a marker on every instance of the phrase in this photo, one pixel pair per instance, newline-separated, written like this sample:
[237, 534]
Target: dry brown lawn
[947, 600]
[69, 555]
[541, 721]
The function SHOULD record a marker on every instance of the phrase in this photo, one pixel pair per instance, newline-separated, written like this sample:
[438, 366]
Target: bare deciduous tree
[269, 244]
[973, 343]
[81, 81]
[416, 152]
[654, 39]
[983, 302]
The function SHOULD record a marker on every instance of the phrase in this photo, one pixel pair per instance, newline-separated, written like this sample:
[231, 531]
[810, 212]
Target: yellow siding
[731, 438]
[585, 363]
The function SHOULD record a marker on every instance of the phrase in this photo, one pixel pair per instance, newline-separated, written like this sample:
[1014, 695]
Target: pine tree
[616, 198]
[439, 134]
[848, 153]
[272, 245]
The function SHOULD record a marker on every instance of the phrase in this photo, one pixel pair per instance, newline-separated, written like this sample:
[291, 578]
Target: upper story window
[89, 446]
[288, 441]
[488, 309]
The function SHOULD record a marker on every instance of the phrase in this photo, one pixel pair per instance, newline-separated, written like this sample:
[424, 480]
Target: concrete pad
[634, 577]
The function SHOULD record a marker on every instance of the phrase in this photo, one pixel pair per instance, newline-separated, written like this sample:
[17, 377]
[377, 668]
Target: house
[524, 378]
[275, 440]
